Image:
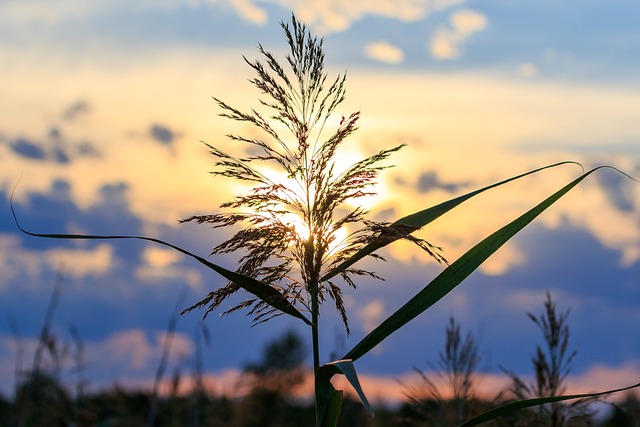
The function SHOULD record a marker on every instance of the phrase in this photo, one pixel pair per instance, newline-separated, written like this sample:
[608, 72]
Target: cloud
[503, 260]
[618, 190]
[159, 257]
[446, 42]
[384, 51]
[250, 12]
[132, 352]
[527, 70]
[371, 314]
[56, 211]
[82, 262]
[324, 15]
[55, 148]
[429, 181]
[76, 110]
[18, 262]
[59, 156]
[610, 200]
[86, 149]
[161, 265]
[28, 149]
[37, 151]
[162, 134]
[329, 16]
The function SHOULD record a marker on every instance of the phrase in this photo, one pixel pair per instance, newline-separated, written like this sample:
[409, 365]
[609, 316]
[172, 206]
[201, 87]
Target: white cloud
[468, 21]
[250, 12]
[327, 16]
[82, 262]
[160, 264]
[385, 52]
[159, 257]
[503, 260]
[446, 42]
[78, 263]
[371, 314]
[190, 276]
[131, 351]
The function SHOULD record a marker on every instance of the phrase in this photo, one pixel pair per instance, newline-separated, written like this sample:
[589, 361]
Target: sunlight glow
[293, 219]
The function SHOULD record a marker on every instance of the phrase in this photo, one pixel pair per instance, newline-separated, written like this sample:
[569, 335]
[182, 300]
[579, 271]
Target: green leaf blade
[527, 403]
[453, 275]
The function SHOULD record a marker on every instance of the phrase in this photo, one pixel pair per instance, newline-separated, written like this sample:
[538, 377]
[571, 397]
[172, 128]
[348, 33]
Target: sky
[103, 105]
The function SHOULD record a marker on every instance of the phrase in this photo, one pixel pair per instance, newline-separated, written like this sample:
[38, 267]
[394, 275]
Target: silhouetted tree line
[41, 399]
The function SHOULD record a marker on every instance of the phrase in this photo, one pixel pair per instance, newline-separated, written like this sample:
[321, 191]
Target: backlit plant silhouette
[293, 233]
[296, 238]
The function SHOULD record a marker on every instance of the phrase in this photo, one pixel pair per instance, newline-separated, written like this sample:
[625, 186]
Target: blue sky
[102, 105]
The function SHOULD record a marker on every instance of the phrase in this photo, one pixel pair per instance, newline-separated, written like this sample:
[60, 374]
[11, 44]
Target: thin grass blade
[260, 289]
[527, 403]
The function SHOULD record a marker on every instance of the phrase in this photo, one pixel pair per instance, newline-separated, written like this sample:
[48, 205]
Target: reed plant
[294, 254]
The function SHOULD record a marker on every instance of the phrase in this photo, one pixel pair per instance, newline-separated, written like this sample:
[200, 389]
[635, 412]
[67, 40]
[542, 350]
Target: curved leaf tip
[325, 389]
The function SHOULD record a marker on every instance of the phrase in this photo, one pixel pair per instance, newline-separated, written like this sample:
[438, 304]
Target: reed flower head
[293, 229]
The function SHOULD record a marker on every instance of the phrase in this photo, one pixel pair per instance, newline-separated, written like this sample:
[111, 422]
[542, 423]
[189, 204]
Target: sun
[338, 238]
[294, 221]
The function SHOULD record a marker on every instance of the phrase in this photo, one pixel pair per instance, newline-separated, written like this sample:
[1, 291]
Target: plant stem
[315, 308]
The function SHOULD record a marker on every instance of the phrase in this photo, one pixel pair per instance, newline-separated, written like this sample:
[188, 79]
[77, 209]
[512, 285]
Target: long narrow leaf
[421, 218]
[453, 275]
[260, 289]
[527, 403]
